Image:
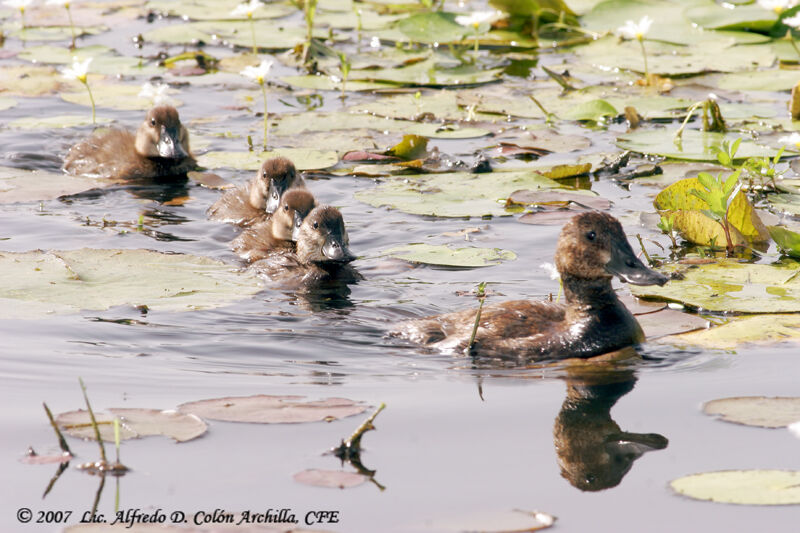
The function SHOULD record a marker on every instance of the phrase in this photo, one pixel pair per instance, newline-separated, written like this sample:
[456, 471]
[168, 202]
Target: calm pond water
[456, 443]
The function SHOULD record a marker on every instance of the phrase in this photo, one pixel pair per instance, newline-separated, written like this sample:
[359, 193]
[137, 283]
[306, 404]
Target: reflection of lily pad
[303, 159]
[134, 424]
[468, 257]
[457, 194]
[745, 487]
[334, 479]
[695, 145]
[735, 287]
[265, 409]
[756, 410]
[758, 329]
[67, 281]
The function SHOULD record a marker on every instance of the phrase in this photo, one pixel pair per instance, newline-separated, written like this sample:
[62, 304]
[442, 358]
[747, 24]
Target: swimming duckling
[159, 148]
[591, 250]
[278, 232]
[321, 254]
[260, 197]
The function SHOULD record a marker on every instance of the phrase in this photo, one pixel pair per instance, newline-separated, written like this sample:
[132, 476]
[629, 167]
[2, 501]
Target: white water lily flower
[247, 9]
[78, 70]
[635, 30]
[778, 6]
[793, 22]
[18, 4]
[794, 139]
[550, 268]
[476, 19]
[63, 3]
[794, 429]
[157, 93]
[259, 73]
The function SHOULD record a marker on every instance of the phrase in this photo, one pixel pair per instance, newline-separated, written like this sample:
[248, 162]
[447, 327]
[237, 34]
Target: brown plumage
[254, 201]
[160, 148]
[264, 238]
[592, 247]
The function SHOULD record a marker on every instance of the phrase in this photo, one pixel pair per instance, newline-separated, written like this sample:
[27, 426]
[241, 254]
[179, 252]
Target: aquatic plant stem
[482, 297]
[71, 25]
[790, 36]
[94, 423]
[91, 99]
[253, 33]
[476, 41]
[644, 55]
[62, 442]
[266, 114]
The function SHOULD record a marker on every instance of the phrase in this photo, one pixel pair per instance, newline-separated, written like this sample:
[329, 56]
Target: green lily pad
[788, 241]
[430, 73]
[441, 255]
[216, 9]
[441, 104]
[748, 17]
[134, 424]
[53, 33]
[266, 409]
[321, 82]
[104, 60]
[457, 194]
[694, 146]
[758, 330]
[733, 287]
[113, 96]
[17, 185]
[432, 27]
[272, 35]
[759, 80]
[57, 121]
[7, 103]
[303, 159]
[40, 283]
[527, 8]
[594, 110]
[756, 411]
[744, 487]
[784, 203]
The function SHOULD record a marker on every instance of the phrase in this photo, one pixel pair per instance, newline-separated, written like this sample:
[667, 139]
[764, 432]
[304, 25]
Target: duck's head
[276, 176]
[162, 134]
[295, 205]
[322, 237]
[593, 246]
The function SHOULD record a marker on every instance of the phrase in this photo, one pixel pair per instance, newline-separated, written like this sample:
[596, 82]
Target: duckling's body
[593, 321]
[263, 239]
[160, 148]
[255, 201]
[321, 255]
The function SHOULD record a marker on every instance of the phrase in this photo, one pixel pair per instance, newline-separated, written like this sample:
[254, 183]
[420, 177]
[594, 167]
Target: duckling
[256, 200]
[322, 253]
[159, 148]
[279, 231]
[592, 248]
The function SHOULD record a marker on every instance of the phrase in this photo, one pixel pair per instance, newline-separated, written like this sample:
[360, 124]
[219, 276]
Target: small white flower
[794, 429]
[257, 74]
[777, 6]
[794, 139]
[635, 30]
[550, 268]
[157, 93]
[375, 42]
[63, 3]
[78, 70]
[476, 19]
[247, 9]
[18, 4]
[794, 21]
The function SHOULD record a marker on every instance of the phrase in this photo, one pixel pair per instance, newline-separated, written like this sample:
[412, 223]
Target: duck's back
[234, 207]
[257, 242]
[285, 270]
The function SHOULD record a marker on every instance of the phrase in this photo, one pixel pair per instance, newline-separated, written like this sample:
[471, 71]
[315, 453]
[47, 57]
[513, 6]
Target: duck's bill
[169, 145]
[627, 267]
[297, 223]
[273, 198]
[335, 250]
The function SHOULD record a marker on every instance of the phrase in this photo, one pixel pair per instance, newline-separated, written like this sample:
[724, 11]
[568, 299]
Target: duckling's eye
[316, 225]
[286, 207]
[591, 235]
[152, 122]
[264, 174]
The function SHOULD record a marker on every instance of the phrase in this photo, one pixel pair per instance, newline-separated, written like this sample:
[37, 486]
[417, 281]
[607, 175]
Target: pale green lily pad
[18, 185]
[788, 241]
[716, 17]
[266, 409]
[457, 194]
[53, 33]
[432, 27]
[430, 73]
[321, 82]
[7, 103]
[217, 9]
[113, 96]
[694, 145]
[104, 60]
[269, 34]
[758, 330]
[784, 203]
[134, 424]
[303, 159]
[756, 411]
[733, 287]
[40, 283]
[759, 80]
[594, 110]
[346, 20]
[440, 104]
[57, 121]
[527, 8]
[25, 80]
[441, 255]
[743, 487]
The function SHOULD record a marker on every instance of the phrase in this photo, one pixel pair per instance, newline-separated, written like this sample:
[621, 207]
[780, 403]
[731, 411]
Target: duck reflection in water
[594, 453]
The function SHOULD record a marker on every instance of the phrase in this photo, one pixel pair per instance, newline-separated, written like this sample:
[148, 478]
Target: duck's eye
[286, 207]
[264, 174]
[316, 225]
[152, 122]
[591, 235]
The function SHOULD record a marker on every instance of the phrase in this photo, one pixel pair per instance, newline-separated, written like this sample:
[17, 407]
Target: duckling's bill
[626, 266]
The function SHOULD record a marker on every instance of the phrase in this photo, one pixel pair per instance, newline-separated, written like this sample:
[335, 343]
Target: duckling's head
[296, 204]
[162, 134]
[593, 246]
[322, 237]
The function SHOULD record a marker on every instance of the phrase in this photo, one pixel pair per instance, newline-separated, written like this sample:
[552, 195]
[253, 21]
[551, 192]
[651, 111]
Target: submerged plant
[21, 5]
[478, 21]
[258, 74]
[78, 71]
[247, 9]
[637, 30]
[65, 3]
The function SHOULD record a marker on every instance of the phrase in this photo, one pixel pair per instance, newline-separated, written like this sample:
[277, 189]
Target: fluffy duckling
[322, 252]
[260, 197]
[279, 231]
[159, 148]
[591, 250]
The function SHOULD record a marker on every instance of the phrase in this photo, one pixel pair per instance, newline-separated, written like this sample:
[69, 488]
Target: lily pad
[24, 80]
[784, 203]
[694, 146]
[18, 185]
[433, 27]
[134, 424]
[669, 322]
[457, 194]
[759, 411]
[733, 287]
[113, 96]
[7, 103]
[747, 17]
[744, 487]
[303, 159]
[56, 121]
[759, 80]
[430, 73]
[559, 199]
[39, 283]
[441, 255]
[758, 330]
[216, 9]
[594, 110]
[333, 479]
[265, 409]
[331, 83]
[788, 241]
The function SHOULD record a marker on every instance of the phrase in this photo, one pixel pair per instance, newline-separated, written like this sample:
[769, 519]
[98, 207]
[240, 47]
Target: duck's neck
[588, 293]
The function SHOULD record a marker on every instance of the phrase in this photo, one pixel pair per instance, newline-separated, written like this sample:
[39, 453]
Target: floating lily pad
[430, 73]
[733, 287]
[784, 203]
[744, 487]
[457, 194]
[7, 103]
[303, 159]
[56, 121]
[216, 9]
[329, 83]
[333, 479]
[758, 411]
[669, 322]
[18, 185]
[432, 27]
[40, 283]
[759, 330]
[113, 96]
[746, 17]
[584, 199]
[134, 424]
[53, 33]
[695, 145]
[594, 110]
[441, 255]
[265, 409]
[759, 80]
[24, 80]
[788, 241]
